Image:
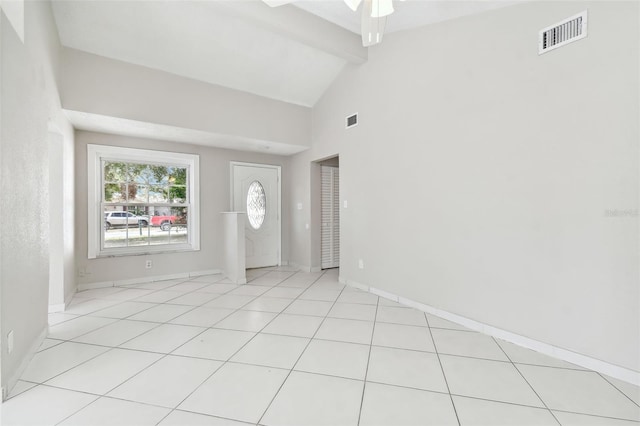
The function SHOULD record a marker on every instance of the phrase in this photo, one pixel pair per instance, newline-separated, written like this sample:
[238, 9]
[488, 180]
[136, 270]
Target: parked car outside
[118, 218]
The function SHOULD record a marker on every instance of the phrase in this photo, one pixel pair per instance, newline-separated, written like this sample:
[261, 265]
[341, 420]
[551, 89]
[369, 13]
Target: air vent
[567, 31]
[352, 120]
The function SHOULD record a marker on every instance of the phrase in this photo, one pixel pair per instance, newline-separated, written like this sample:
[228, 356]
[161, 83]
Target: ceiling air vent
[567, 31]
[352, 120]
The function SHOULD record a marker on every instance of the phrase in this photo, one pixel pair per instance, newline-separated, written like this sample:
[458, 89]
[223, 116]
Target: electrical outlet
[148, 264]
[345, 204]
[10, 342]
[360, 263]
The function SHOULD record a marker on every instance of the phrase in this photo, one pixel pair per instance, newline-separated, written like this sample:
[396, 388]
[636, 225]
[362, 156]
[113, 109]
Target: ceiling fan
[374, 17]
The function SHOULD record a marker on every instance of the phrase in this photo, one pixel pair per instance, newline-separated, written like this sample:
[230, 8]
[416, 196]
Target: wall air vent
[351, 121]
[567, 31]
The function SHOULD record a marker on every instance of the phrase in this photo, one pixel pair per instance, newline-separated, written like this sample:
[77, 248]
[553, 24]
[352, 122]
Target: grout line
[618, 389]
[444, 375]
[366, 373]
[525, 379]
[299, 357]
[232, 355]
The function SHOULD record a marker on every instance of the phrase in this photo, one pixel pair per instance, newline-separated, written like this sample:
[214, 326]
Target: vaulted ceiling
[290, 53]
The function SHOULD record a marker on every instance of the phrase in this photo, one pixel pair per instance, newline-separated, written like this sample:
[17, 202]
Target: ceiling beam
[304, 27]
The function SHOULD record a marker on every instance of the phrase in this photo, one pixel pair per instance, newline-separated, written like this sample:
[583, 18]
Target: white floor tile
[123, 310]
[218, 288]
[401, 316]
[403, 336]
[521, 355]
[314, 293]
[309, 307]
[335, 358]
[229, 301]
[402, 367]
[345, 330]
[105, 372]
[127, 294]
[237, 391]
[354, 311]
[167, 382]
[48, 343]
[246, 320]
[358, 297]
[97, 292]
[161, 296]
[42, 405]
[580, 392]
[437, 322]
[156, 285]
[494, 380]
[215, 344]
[161, 313]
[164, 338]
[187, 287]
[387, 302]
[293, 325]
[184, 418]
[479, 412]
[56, 360]
[250, 290]
[311, 399]
[632, 391]
[197, 298]
[267, 304]
[285, 292]
[108, 411]
[573, 419]
[116, 333]
[60, 317]
[20, 387]
[86, 306]
[392, 405]
[272, 350]
[202, 317]
[77, 327]
[467, 343]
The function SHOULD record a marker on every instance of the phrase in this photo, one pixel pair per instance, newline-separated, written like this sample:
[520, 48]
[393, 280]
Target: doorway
[255, 189]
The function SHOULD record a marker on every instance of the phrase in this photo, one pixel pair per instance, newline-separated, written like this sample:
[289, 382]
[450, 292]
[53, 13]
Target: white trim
[621, 373]
[149, 279]
[95, 153]
[11, 382]
[231, 195]
[57, 308]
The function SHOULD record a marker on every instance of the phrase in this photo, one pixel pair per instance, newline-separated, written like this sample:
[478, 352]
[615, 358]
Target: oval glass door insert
[256, 204]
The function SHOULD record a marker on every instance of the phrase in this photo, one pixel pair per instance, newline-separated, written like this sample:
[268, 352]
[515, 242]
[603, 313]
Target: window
[141, 201]
[256, 204]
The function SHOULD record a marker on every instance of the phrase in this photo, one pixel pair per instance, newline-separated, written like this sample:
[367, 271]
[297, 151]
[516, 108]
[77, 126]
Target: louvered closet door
[330, 217]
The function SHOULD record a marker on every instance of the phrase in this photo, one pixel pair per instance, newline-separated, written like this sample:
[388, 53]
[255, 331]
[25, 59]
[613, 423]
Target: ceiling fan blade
[276, 3]
[372, 27]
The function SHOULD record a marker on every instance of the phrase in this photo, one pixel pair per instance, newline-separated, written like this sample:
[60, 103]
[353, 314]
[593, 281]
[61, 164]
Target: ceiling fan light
[353, 4]
[380, 8]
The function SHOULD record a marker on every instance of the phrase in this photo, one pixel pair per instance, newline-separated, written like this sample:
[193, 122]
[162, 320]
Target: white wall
[479, 178]
[98, 85]
[214, 198]
[29, 103]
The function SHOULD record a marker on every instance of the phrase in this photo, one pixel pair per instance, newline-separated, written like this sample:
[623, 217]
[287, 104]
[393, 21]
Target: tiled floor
[292, 348]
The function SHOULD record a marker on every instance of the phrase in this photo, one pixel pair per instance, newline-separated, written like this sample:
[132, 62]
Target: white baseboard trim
[57, 308]
[141, 280]
[11, 382]
[621, 373]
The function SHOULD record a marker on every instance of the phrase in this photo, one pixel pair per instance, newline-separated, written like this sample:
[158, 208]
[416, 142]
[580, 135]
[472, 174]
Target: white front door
[255, 189]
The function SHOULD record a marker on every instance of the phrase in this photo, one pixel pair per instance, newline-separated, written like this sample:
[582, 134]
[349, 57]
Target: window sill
[123, 253]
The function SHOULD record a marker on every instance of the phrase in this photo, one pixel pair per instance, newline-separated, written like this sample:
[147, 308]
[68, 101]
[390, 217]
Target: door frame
[233, 164]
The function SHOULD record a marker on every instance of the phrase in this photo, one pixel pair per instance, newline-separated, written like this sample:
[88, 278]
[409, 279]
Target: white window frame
[95, 191]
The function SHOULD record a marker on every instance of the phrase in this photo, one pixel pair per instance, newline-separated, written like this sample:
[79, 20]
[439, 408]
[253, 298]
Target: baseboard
[141, 280]
[11, 382]
[57, 308]
[621, 373]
